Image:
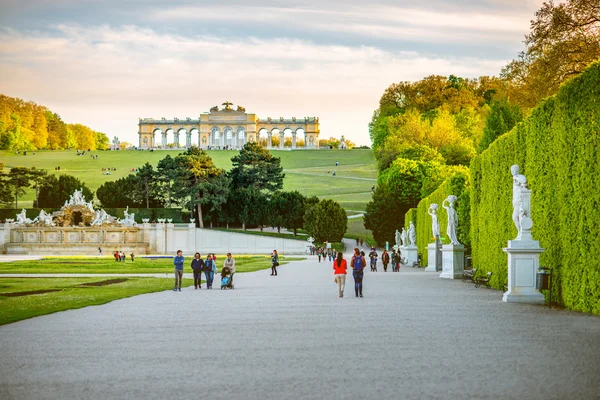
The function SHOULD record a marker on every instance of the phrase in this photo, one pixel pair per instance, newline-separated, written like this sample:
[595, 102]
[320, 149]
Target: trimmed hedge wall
[152, 213]
[558, 150]
[457, 185]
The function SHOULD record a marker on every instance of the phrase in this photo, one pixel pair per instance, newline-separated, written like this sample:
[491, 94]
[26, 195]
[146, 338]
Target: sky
[107, 63]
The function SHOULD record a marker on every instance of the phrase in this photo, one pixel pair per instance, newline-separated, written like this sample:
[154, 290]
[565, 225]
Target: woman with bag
[339, 270]
[274, 263]
[209, 271]
[358, 265]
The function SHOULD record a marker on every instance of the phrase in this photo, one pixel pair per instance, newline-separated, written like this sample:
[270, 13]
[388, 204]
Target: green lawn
[68, 293]
[306, 170]
[107, 265]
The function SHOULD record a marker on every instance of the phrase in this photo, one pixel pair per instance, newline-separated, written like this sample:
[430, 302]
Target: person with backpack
[197, 266]
[209, 271]
[385, 259]
[373, 258]
[339, 272]
[178, 262]
[358, 265]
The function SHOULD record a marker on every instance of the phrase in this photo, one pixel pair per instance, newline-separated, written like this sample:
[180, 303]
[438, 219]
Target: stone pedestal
[431, 257]
[453, 261]
[411, 253]
[523, 264]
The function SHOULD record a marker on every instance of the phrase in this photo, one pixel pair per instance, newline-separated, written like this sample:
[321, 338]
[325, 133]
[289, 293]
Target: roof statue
[215, 108]
[227, 105]
[241, 109]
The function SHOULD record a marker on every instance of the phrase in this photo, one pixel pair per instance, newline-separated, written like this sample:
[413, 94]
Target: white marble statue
[22, 218]
[310, 240]
[412, 234]
[77, 198]
[435, 224]
[452, 219]
[44, 218]
[520, 205]
[403, 237]
[397, 238]
[99, 218]
[129, 219]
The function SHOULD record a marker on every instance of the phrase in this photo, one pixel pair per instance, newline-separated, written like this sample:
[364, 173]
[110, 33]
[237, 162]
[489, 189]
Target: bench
[469, 275]
[483, 280]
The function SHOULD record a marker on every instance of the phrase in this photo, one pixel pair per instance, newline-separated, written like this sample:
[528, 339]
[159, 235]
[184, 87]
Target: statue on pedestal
[403, 237]
[521, 196]
[412, 234]
[452, 219]
[435, 225]
[22, 218]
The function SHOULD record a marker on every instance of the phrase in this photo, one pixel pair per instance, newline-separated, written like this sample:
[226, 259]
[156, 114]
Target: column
[293, 140]
[164, 140]
[188, 140]
[139, 140]
[152, 140]
[176, 139]
[281, 139]
[269, 140]
[199, 137]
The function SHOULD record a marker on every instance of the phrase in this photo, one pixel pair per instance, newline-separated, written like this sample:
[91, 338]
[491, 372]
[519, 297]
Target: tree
[502, 118]
[384, 214]
[166, 173]
[38, 176]
[118, 194]
[146, 178]
[102, 141]
[326, 221]
[55, 191]
[256, 167]
[5, 188]
[564, 39]
[293, 217]
[198, 181]
[19, 178]
[276, 210]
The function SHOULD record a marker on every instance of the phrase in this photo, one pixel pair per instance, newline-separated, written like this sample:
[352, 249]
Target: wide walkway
[413, 336]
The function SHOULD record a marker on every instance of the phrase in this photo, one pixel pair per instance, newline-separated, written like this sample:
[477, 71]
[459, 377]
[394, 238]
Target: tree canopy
[255, 167]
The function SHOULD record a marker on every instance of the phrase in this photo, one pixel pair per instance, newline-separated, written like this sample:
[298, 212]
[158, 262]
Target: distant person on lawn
[178, 262]
[339, 272]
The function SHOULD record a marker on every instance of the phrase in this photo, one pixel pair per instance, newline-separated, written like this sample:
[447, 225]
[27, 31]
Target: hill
[308, 171]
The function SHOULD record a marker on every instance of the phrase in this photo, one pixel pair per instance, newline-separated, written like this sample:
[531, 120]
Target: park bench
[483, 280]
[469, 275]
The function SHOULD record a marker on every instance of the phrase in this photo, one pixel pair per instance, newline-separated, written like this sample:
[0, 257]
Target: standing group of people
[395, 259]
[119, 255]
[340, 267]
[199, 266]
[329, 253]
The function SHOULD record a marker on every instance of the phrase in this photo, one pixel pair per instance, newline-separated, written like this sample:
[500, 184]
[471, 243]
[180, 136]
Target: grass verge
[107, 265]
[18, 298]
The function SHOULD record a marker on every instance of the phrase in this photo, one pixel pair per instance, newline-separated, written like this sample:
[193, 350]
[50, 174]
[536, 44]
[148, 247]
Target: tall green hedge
[458, 185]
[558, 150]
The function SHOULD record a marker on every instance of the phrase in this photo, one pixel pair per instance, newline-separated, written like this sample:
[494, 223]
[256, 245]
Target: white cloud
[107, 77]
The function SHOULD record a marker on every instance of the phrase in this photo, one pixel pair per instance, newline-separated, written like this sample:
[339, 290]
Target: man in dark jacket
[197, 266]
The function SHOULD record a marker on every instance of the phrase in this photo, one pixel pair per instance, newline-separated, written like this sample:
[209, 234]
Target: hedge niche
[457, 185]
[558, 149]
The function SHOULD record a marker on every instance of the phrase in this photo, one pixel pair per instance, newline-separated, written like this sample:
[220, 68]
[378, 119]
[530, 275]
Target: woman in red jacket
[339, 269]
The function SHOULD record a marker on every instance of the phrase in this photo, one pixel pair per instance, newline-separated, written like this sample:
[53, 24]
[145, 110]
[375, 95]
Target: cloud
[107, 76]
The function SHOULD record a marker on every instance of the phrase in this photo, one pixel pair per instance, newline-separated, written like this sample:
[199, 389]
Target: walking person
[197, 266]
[394, 260]
[178, 262]
[99, 250]
[132, 256]
[275, 262]
[373, 258]
[358, 265]
[319, 253]
[385, 259]
[339, 272]
[209, 271]
[229, 263]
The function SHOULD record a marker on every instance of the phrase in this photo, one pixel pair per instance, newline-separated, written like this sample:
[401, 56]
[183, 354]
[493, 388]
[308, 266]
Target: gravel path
[413, 336]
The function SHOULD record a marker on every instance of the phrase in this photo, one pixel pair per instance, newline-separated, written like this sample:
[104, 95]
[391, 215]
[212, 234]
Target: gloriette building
[226, 127]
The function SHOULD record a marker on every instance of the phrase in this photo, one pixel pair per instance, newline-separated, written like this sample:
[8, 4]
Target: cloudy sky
[106, 63]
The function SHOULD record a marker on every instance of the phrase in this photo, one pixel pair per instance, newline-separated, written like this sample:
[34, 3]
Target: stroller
[226, 279]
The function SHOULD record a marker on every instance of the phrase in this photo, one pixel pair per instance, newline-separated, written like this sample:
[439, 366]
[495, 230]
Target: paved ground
[413, 336]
